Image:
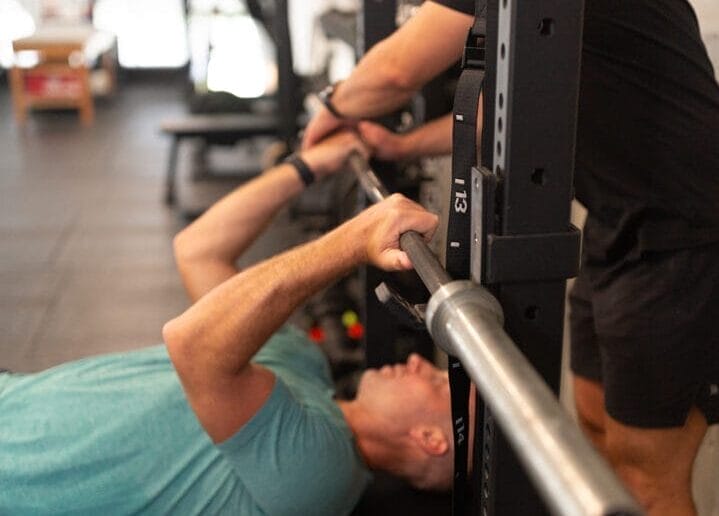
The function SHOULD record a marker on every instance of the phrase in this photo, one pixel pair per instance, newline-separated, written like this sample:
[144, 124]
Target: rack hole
[500, 124]
[499, 148]
[502, 51]
[501, 100]
[504, 4]
[531, 313]
[539, 177]
[546, 27]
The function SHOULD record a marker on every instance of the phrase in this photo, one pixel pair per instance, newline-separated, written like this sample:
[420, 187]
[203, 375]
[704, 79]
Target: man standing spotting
[645, 351]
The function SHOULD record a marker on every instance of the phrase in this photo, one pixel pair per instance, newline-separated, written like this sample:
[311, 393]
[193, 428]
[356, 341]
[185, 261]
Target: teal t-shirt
[114, 434]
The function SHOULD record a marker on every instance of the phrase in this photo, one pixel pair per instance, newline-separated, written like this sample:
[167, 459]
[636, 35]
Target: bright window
[230, 50]
[15, 22]
[150, 34]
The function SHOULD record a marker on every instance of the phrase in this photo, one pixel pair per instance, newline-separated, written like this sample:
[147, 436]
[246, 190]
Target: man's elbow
[175, 340]
[191, 255]
[184, 249]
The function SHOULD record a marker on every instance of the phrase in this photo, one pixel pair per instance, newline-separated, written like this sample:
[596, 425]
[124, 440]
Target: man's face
[412, 390]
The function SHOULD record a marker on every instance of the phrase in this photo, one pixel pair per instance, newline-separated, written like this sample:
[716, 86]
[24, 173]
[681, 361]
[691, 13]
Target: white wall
[708, 15]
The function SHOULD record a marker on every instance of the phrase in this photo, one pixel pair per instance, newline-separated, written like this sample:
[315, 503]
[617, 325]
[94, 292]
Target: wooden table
[58, 75]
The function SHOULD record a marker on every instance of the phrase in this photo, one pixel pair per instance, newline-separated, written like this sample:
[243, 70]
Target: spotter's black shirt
[647, 157]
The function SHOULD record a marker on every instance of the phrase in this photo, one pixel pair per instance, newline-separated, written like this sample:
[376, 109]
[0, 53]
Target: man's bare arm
[211, 344]
[206, 251]
[389, 74]
[431, 139]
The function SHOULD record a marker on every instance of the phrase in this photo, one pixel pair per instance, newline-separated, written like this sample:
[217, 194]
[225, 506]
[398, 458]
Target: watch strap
[325, 97]
[303, 169]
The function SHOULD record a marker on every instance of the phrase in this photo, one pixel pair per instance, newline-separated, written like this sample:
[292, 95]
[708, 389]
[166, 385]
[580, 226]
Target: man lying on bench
[236, 413]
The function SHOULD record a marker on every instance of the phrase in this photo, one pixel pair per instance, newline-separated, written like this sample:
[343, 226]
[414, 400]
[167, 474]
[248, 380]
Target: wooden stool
[60, 78]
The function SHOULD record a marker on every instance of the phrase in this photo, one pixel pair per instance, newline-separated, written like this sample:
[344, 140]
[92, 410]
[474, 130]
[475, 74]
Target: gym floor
[86, 262]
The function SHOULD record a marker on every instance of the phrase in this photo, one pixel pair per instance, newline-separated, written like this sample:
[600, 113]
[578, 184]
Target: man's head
[404, 425]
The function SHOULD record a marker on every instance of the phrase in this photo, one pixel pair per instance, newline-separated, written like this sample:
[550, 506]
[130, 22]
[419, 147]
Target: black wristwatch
[303, 169]
[325, 97]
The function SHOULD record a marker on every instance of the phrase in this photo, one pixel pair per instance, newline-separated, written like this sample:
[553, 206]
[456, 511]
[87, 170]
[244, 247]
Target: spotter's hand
[330, 155]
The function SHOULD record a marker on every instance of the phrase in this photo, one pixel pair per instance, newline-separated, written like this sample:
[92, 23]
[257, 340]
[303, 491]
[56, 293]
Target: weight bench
[214, 129]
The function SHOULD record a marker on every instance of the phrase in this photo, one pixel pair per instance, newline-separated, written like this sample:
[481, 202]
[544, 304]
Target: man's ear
[430, 438]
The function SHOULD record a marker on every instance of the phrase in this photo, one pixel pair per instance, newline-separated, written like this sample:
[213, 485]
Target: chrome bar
[424, 261]
[466, 321]
[371, 184]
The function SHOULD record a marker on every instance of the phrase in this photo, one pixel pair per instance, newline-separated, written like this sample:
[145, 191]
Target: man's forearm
[223, 330]
[398, 66]
[206, 251]
[431, 139]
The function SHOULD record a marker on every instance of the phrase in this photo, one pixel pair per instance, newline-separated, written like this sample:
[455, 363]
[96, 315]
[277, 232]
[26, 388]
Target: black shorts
[647, 329]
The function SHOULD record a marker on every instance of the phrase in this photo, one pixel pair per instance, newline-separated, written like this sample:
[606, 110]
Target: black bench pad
[243, 124]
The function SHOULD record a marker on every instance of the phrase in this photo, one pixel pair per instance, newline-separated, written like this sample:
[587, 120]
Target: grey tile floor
[86, 261]
[85, 254]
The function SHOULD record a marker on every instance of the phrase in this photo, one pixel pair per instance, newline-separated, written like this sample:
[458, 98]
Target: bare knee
[660, 493]
[656, 464]
[651, 487]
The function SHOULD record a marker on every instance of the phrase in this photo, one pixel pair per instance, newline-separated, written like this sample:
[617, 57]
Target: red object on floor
[316, 334]
[356, 331]
[55, 85]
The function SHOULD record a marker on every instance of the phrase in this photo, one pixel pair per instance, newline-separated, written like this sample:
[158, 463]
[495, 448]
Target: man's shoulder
[314, 466]
[303, 371]
[301, 427]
